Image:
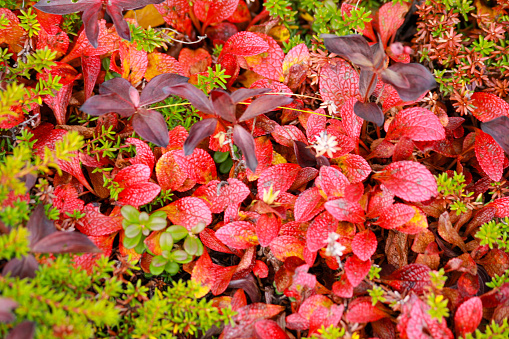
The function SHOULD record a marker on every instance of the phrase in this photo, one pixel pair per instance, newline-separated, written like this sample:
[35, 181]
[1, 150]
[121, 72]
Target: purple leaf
[90, 19]
[419, 79]
[66, 242]
[153, 92]
[249, 285]
[195, 96]
[244, 140]
[365, 80]
[24, 330]
[352, 47]
[91, 9]
[39, 225]
[369, 111]
[264, 104]
[106, 103]
[21, 268]
[197, 133]
[223, 104]
[151, 126]
[6, 306]
[498, 128]
[305, 156]
[119, 86]
[121, 25]
[378, 55]
[244, 93]
[62, 7]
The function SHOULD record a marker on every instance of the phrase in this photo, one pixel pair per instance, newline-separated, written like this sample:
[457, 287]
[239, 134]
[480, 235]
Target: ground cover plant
[254, 169]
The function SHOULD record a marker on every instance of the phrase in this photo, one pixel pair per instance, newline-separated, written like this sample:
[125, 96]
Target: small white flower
[325, 144]
[334, 249]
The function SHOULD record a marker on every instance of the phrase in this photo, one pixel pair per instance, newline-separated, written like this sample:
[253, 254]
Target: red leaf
[194, 61]
[175, 13]
[144, 154]
[241, 14]
[413, 277]
[416, 123]
[303, 283]
[490, 155]
[57, 41]
[88, 260]
[270, 63]
[343, 288]
[263, 151]
[408, 180]
[318, 231]
[209, 239]
[209, 11]
[308, 204]
[247, 316]
[354, 167]
[139, 194]
[417, 224]
[284, 135]
[269, 329]
[260, 269]
[13, 35]
[363, 311]
[134, 62]
[395, 216]
[295, 65]
[351, 123]
[287, 246]
[188, 212]
[238, 234]
[338, 82]
[108, 41]
[94, 223]
[245, 44]
[415, 321]
[356, 269]
[170, 170]
[223, 194]
[390, 18]
[91, 67]
[66, 199]
[325, 317]
[267, 228]
[211, 275]
[280, 177]
[488, 106]
[364, 244]
[332, 182]
[502, 207]
[160, 63]
[345, 210]
[200, 166]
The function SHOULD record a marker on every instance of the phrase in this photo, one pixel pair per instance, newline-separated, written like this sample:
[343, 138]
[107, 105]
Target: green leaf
[130, 213]
[177, 232]
[166, 241]
[132, 231]
[191, 245]
[132, 242]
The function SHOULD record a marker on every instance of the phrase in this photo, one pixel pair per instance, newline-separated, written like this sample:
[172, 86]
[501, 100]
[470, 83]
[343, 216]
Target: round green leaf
[130, 213]
[132, 242]
[226, 166]
[156, 270]
[159, 261]
[156, 224]
[132, 231]
[172, 268]
[181, 257]
[177, 232]
[144, 217]
[220, 157]
[158, 214]
[191, 245]
[166, 241]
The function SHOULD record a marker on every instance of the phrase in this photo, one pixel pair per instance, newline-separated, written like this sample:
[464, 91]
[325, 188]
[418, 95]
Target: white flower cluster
[325, 143]
[334, 248]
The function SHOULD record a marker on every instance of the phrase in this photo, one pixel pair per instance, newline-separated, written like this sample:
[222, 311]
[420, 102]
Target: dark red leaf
[245, 141]
[413, 277]
[264, 104]
[351, 47]
[418, 78]
[65, 242]
[151, 126]
[195, 96]
[112, 102]
[154, 92]
[369, 111]
[223, 104]
[197, 133]
[24, 330]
